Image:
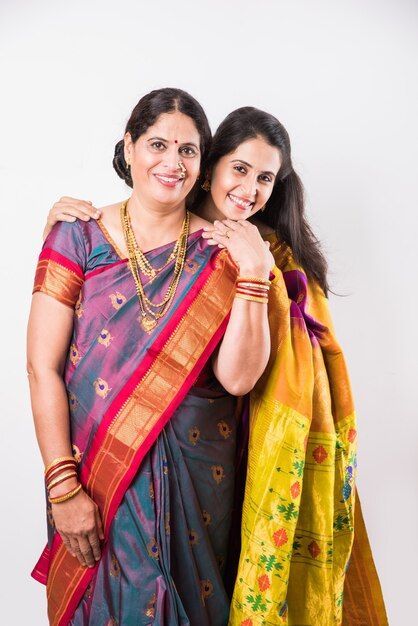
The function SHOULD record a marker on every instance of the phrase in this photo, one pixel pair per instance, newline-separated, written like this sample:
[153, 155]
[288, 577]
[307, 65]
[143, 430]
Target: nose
[249, 185]
[171, 159]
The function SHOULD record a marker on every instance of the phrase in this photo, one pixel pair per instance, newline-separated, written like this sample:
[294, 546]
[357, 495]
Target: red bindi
[175, 141]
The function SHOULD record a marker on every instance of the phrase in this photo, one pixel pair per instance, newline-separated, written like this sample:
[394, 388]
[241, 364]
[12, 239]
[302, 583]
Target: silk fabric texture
[152, 430]
[300, 506]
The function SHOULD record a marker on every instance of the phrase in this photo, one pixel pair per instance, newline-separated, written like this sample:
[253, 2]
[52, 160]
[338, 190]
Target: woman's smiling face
[242, 181]
[156, 172]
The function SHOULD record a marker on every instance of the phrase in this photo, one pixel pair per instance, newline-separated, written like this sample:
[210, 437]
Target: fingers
[86, 550]
[76, 551]
[81, 209]
[94, 542]
[67, 543]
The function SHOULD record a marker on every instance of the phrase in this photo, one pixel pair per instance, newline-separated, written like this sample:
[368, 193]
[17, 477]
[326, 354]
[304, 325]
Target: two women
[152, 422]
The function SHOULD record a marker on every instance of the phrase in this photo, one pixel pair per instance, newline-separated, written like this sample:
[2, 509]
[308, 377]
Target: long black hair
[285, 209]
[145, 114]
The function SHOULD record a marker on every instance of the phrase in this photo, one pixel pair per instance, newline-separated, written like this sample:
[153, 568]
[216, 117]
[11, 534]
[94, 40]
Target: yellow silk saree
[301, 513]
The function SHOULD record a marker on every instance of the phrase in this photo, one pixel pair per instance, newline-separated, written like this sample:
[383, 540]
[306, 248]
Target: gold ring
[227, 233]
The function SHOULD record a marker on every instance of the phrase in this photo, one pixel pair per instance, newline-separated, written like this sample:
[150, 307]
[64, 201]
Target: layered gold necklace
[138, 263]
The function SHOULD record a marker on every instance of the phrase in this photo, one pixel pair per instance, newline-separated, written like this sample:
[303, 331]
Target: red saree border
[220, 311]
[48, 254]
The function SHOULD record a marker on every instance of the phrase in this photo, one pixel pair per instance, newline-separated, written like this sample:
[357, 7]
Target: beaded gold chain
[149, 316]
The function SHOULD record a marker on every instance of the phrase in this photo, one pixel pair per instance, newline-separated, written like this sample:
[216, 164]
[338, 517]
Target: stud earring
[206, 185]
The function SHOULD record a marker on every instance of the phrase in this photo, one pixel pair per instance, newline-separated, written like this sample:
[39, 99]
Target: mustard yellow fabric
[298, 512]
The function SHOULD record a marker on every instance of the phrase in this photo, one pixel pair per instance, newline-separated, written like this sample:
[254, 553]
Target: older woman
[136, 344]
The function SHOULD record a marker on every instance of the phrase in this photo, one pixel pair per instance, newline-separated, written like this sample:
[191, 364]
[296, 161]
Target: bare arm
[49, 331]
[245, 348]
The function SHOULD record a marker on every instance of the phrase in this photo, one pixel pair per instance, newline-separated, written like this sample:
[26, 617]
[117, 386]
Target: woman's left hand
[245, 245]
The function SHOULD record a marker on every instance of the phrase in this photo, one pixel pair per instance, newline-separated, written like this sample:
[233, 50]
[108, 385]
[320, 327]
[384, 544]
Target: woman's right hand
[78, 522]
[68, 209]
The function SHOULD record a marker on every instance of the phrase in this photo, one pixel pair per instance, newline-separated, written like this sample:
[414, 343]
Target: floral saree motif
[124, 386]
[299, 506]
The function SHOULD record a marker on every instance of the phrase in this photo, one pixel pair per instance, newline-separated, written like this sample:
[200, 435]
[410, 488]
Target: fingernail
[86, 218]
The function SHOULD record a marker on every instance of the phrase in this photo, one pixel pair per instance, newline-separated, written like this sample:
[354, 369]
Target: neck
[209, 211]
[155, 225]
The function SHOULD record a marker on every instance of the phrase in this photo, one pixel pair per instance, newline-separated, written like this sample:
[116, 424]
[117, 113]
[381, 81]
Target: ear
[128, 149]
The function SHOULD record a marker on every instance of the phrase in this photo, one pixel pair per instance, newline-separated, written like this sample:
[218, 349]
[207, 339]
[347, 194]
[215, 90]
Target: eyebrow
[249, 165]
[185, 143]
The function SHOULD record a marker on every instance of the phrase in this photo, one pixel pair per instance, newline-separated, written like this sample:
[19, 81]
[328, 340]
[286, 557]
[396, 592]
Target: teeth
[166, 179]
[243, 203]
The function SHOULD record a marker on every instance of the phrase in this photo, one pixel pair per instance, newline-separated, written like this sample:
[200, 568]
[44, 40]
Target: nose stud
[182, 168]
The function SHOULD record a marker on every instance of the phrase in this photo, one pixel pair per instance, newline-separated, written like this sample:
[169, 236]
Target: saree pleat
[299, 508]
[164, 559]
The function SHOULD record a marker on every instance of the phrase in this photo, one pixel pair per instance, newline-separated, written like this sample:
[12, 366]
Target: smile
[240, 202]
[168, 181]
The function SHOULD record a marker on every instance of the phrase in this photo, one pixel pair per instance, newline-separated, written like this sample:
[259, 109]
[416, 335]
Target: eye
[265, 178]
[158, 145]
[240, 168]
[188, 151]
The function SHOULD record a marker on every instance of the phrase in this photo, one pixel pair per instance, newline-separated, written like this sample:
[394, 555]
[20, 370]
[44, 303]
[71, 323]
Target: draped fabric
[152, 430]
[299, 513]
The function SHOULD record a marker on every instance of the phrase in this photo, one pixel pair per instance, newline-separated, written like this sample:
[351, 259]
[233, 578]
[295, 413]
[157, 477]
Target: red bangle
[252, 292]
[59, 468]
[49, 487]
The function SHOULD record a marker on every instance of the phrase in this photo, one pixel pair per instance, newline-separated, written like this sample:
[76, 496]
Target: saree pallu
[300, 499]
[152, 431]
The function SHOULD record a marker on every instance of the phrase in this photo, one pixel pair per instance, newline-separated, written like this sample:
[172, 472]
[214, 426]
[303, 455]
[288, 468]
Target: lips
[168, 181]
[241, 203]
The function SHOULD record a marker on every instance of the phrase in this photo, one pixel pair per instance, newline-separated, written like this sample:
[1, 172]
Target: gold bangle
[66, 496]
[251, 298]
[254, 279]
[60, 478]
[253, 285]
[58, 460]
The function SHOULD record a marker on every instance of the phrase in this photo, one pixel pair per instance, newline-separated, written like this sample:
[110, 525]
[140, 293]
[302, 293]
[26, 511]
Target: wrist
[254, 271]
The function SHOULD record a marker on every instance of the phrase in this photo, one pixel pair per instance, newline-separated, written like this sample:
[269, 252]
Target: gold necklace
[149, 316]
[144, 265]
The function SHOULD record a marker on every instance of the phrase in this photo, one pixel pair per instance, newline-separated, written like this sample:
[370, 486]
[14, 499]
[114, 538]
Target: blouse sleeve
[61, 264]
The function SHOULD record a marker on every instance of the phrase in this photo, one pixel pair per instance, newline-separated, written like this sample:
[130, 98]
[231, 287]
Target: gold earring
[206, 185]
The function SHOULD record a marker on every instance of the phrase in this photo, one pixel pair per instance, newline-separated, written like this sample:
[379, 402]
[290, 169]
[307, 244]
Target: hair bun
[120, 164]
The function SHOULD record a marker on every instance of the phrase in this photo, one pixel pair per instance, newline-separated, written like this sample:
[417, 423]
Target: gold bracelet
[67, 496]
[58, 460]
[252, 298]
[253, 285]
[58, 479]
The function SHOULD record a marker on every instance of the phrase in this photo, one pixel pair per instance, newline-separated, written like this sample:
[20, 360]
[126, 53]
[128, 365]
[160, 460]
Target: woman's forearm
[50, 412]
[245, 348]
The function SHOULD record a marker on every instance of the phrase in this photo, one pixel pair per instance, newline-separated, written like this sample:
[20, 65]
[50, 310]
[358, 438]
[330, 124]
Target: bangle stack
[253, 289]
[58, 471]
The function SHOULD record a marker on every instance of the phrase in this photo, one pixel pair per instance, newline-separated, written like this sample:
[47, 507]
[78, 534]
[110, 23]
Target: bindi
[175, 141]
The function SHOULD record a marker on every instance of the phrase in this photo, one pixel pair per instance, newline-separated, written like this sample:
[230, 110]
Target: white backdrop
[341, 77]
